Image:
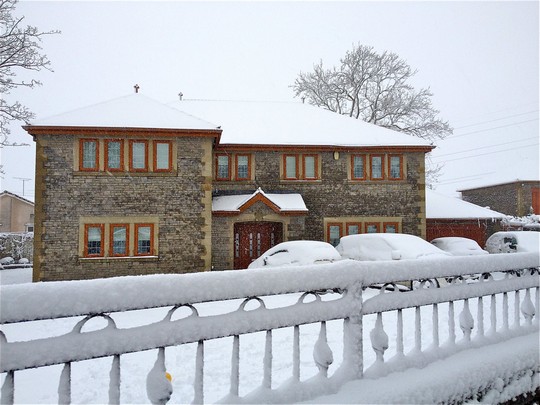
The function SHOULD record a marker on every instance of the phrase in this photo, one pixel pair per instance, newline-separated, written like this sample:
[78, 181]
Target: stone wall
[179, 202]
[510, 199]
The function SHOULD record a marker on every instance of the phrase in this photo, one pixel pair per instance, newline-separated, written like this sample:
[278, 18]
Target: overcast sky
[480, 59]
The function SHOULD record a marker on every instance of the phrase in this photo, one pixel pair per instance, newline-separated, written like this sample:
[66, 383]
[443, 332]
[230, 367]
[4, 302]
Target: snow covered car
[513, 242]
[297, 253]
[390, 246]
[387, 246]
[458, 246]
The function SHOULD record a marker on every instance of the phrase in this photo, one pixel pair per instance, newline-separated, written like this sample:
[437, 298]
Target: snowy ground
[90, 378]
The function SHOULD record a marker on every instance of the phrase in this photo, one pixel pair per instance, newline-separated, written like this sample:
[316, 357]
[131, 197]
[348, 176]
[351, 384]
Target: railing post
[267, 361]
[296, 353]
[8, 389]
[64, 386]
[435, 326]
[399, 334]
[417, 330]
[114, 383]
[198, 384]
[451, 324]
[353, 344]
[235, 366]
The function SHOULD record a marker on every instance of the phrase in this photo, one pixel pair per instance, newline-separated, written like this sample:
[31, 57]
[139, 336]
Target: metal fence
[326, 293]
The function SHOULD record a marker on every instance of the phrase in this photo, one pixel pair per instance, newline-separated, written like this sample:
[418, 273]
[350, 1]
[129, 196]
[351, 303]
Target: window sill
[381, 181]
[305, 181]
[118, 258]
[126, 173]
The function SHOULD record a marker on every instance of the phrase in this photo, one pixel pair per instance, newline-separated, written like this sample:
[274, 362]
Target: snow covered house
[449, 216]
[133, 186]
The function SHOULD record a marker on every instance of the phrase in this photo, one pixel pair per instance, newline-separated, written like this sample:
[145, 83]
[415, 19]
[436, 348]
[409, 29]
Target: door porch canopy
[284, 204]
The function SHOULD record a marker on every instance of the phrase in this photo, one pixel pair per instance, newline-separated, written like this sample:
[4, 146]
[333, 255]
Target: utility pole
[23, 179]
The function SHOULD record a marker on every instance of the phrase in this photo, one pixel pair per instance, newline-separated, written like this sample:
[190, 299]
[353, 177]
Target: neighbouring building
[449, 216]
[132, 186]
[517, 198]
[16, 213]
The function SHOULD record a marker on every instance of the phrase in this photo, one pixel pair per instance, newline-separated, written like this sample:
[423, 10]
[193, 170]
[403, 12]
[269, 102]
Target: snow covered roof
[443, 207]
[132, 111]
[6, 193]
[503, 181]
[291, 123]
[284, 203]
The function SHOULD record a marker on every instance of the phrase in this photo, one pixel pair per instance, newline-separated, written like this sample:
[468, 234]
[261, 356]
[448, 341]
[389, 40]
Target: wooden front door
[252, 239]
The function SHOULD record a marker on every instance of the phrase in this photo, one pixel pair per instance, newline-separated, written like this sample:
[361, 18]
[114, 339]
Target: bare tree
[375, 88]
[20, 49]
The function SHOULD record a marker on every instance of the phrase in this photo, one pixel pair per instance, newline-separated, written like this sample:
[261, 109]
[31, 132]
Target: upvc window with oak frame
[290, 167]
[93, 240]
[376, 164]
[310, 166]
[358, 167]
[334, 232]
[138, 155]
[223, 167]
[162, 156]
[373, 227]
[395, 167]
[390, 227]
[114, 155]
[119, 240]
[353, 228]
[144, 239]
[242, 167]
[88, 155]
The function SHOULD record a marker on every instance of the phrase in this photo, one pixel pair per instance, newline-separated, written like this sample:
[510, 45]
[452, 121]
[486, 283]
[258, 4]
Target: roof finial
[136, 87]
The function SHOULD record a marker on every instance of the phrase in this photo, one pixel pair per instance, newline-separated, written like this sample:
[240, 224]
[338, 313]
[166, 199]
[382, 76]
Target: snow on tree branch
[375, 88]
[20, 49]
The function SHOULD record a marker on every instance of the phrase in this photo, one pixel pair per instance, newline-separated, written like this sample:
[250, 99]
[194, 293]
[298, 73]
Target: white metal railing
[345, 280]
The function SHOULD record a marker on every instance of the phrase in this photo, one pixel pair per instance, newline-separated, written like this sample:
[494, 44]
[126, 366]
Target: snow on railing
[326, 293]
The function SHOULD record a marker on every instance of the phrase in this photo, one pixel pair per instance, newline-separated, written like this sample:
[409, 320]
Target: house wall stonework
[333, 195]
[511, 198]
[180, 203]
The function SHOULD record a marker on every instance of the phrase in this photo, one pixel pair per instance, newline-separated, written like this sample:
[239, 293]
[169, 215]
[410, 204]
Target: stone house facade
[517, 198]
[133, 186]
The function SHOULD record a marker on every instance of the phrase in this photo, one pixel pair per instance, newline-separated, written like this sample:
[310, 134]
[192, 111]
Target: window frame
[169, 168]
[102, 244]
[296, 159]
[82, 141]
[106, 151]
[367, 224]
[136, 237]
[131, 143]
[363, 157]
[315, 168]
[216, 175]
[331, 224]
[111, 240]
[396, 224]
[400, 157]
[236, 176]
[375, 155]
[358, 224]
